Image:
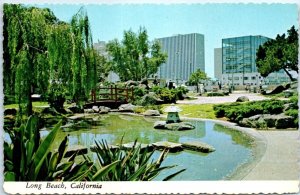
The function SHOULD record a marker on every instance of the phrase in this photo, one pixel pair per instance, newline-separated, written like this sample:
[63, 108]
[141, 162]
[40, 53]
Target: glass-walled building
[238, 62]
[185, 56]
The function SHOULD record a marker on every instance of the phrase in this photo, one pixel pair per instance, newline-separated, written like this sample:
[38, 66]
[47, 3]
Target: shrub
[293, 113]
[210, 94]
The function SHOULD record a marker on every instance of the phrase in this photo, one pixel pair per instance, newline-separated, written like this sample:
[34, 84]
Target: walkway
[280, 159]
[222, 99]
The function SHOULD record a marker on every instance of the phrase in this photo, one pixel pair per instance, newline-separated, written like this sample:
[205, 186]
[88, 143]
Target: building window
[236, 78]
[245, 78]
[253, 78]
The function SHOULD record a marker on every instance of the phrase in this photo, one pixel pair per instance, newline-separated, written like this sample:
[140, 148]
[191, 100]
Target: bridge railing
[112, 93]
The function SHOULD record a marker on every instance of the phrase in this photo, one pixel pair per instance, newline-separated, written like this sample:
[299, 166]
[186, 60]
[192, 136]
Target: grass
[195, 110]
[34, 104]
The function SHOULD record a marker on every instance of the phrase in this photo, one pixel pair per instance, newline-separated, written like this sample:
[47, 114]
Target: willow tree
[83, 62]
[135, 57]
[59, 44]
[25, 64]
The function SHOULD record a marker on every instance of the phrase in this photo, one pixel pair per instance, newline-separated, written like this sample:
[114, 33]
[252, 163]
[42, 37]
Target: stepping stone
[112, 147]
[173, 147]
[76, 148]
[198, 146]
[130, 145]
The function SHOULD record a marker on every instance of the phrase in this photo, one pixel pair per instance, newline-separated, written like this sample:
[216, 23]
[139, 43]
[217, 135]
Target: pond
[233, 148]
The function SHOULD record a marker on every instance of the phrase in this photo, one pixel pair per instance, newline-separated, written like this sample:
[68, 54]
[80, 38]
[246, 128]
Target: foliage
[169, 95]
[280, 53]
[196, 77]
[237, 111]
[215, 94]
[41, 52]
[135, 58]
[25, 64]
[293, 113]
[132, 164]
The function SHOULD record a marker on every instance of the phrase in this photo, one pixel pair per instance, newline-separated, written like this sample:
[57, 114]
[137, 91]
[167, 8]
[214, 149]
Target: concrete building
[100, 46]
[185, 56]
[239, 66]
[218, 63]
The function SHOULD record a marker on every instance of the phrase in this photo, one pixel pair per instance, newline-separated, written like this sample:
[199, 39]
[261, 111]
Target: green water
[233, 148]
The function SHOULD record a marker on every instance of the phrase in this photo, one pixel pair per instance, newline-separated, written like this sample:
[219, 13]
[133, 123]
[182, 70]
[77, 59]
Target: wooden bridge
[111, 96]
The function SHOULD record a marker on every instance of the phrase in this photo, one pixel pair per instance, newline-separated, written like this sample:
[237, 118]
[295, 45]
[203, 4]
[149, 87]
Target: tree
[277, 54]
[135, 58]
[25, 64]
[196, 77]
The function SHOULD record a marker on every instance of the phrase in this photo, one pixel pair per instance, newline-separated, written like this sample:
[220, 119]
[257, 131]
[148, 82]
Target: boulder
[242, 99]
[159, 125]
[150, 98]
[103, 112]
[10, 111]
[76, 149]
[198, 146]
[104, 108]
[283, 121]
[131, 83]
[151, 113]
[76, 109]
[95, 108]
[143, 147]
[276, 90]
[93, 148]
[179, 126]
[89, 111]
[172, 147]
[126, 108]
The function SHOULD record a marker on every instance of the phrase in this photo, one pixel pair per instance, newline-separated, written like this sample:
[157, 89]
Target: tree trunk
[290, 76]
[197, 85]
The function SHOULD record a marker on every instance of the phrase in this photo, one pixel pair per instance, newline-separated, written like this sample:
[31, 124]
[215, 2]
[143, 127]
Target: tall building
[185, 56]
[238, 62]
[218, 63]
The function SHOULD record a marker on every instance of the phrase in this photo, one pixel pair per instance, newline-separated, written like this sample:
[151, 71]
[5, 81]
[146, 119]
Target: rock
[76, 109]
[93, 148]
[104, 108]
[172, 147]
[242, 99]
[95, 108]
[288, 93]
[131, 83]
[160, 125]
[103, 112]
[143, 147]
[283, 121]
[276, 90]
[198, 146]
[150, 98]
[89, 110]
[151, 113]
[288, 106]
[126, 108]
[10, 111]
[179, 126]
[76, 149]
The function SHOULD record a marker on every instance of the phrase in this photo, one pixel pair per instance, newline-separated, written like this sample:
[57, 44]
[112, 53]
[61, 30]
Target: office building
[185, 56]
[239, 66]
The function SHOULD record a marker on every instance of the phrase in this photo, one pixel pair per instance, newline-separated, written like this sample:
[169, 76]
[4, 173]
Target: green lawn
[196, 111]
[34, 104]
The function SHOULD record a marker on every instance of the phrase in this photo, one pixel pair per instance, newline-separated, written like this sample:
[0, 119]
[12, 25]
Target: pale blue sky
[215, 21]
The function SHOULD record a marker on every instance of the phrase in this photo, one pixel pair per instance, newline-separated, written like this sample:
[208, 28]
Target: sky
[215, 21]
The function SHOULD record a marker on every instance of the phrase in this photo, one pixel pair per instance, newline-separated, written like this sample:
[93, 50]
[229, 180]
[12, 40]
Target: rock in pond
[96, 109]
[93, 148]
[198, 146]
[151, 113]
[126, 108]
[159, 125]
[76, 149]
[179, 126]
[143, 147]
[173, 126]
[172, 147]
